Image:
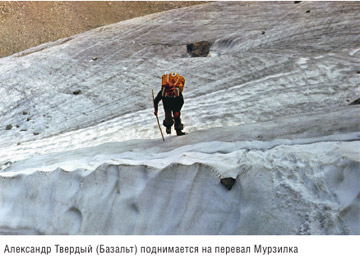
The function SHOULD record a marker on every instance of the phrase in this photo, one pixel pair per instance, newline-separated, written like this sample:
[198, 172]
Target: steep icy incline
[304, 62]
[268, 108]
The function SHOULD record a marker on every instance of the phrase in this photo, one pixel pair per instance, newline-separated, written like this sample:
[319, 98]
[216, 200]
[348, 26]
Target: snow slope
[267, 107]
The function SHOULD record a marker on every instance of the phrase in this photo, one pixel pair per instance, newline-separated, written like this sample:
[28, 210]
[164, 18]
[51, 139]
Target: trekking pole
[157, 119]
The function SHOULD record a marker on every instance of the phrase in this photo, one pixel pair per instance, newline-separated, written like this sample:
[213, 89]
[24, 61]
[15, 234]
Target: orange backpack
[172, 85]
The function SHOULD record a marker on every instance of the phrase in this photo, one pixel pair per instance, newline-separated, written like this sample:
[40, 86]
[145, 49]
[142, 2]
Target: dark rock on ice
[199, 49]
[228, 182]
[355, 102]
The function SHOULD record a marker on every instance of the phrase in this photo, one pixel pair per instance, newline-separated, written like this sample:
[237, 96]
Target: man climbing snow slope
[171, 95]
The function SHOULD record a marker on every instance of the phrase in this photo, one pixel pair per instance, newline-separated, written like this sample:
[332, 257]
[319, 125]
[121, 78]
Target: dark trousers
[172, 106]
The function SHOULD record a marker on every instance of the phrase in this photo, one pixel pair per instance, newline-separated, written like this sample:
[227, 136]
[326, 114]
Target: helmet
[173, 75]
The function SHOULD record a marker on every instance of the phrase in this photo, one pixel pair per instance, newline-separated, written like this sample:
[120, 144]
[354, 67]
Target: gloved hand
[155, 113]
[176, 114]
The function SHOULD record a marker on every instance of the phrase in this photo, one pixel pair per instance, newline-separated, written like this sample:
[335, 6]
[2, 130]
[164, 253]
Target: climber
[171, 95]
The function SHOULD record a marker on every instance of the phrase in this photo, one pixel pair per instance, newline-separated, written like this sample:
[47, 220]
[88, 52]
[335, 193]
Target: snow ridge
[131, 198]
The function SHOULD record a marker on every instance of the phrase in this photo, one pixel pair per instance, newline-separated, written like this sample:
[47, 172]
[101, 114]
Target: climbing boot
[179, 132]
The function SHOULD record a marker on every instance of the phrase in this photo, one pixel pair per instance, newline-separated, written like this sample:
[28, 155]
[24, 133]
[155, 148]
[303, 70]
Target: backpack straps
[166, 81]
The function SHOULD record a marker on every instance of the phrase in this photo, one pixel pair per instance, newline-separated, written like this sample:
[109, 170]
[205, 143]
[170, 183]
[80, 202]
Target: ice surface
[268, 107]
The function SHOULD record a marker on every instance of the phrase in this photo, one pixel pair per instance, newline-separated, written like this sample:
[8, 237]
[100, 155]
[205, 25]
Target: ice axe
[162, 135]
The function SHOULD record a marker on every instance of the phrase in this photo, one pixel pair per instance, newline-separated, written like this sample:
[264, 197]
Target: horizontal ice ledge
[318, 193]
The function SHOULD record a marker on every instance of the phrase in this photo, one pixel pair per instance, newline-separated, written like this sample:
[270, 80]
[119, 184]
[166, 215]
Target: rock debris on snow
[199, 49]
[228, 182]
[355, 102]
